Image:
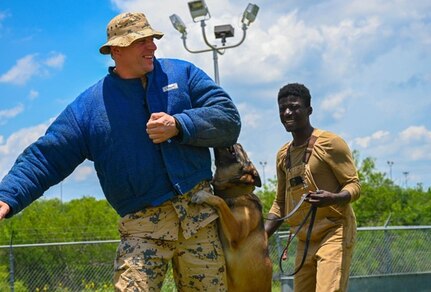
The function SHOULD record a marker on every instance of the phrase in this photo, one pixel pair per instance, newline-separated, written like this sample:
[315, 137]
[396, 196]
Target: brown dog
[241, 228]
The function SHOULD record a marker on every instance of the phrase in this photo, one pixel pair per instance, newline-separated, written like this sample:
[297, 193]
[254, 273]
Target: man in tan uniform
[320, 164]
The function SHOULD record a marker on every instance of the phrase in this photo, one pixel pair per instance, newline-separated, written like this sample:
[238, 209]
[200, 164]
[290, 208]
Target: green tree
[5, 285]
[266, 194]
[382, 202]
[47, 221]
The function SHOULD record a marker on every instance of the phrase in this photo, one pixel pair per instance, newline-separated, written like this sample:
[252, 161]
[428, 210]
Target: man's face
[136, 60]
[294, 114]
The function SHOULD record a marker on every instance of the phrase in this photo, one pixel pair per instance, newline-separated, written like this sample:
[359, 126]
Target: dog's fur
[241, 228]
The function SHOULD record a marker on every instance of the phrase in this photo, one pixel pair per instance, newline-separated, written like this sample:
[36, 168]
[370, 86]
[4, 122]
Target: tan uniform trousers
[327, 265]
[177, 231]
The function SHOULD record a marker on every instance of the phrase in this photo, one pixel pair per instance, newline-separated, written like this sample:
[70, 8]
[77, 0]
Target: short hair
[296, 89]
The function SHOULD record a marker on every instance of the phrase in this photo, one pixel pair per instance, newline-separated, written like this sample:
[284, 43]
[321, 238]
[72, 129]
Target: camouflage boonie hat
[126, 28]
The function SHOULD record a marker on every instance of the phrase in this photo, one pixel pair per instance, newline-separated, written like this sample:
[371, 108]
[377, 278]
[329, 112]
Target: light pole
[200, 13]
[263, 164]
[390, 163]
[406, 174]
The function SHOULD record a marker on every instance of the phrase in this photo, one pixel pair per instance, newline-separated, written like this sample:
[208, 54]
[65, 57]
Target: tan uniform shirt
[331, 168]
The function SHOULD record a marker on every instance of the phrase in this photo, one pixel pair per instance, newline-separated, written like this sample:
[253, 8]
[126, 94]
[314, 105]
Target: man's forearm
[271, 224]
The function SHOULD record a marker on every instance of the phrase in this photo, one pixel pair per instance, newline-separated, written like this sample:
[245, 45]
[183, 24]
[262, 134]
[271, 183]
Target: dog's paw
[201, 197]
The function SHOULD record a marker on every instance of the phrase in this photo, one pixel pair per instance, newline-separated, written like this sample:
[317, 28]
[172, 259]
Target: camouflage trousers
[179, 232]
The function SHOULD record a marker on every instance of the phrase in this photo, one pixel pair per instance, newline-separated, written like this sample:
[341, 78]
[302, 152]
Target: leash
[290, 214]
[312, 213]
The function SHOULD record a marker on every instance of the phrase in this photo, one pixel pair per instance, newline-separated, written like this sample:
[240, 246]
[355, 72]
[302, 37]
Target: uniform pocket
[321, 227]
[138, 224]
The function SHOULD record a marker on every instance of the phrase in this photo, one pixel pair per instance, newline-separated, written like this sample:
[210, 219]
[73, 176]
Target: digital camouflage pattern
[180, 231]
[126, 28]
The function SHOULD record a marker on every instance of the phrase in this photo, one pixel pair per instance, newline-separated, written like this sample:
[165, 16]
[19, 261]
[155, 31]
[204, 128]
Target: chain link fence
[88, 266]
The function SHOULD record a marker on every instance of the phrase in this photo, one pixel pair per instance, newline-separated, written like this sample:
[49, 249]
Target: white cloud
[16, 143]
[82, 173]
[10, 113]
[22, 71]
[365, 142]
[250, 117]
[33, 94]
[55, 61]
[334, 104]
[347, 43]
[30, 66]
[415, 133]
[416, 153]
[409, 147]
[268, 53]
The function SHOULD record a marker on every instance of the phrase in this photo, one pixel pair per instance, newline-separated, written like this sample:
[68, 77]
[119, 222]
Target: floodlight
[223, 31]
[178, 23]
[250, 14]
[199, 10]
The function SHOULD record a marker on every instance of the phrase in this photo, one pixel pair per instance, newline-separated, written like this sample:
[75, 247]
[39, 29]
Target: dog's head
[234, 171]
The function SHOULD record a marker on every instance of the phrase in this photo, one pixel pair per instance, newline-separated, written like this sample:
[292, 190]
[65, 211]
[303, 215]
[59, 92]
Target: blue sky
[366, 63]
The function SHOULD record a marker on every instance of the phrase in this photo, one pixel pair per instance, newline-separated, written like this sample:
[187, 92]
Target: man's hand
[161, 127]
[322, 198]
[4, 209]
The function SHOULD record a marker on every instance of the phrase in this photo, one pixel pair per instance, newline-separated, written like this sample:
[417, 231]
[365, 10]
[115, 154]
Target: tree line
[381, 202]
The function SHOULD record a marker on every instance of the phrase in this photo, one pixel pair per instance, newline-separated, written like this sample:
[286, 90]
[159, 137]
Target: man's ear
[310, 110]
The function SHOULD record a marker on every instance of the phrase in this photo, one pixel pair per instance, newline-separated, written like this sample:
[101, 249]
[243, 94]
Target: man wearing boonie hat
[126, 28]
[147, 126]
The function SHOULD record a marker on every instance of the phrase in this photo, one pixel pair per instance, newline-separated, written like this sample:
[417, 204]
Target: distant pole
[11, 263]
[390, 163]
[406, 174]
[263, 164]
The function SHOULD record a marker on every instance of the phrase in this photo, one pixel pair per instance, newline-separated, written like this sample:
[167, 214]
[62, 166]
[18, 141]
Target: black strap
[311, 212]
[307, 153]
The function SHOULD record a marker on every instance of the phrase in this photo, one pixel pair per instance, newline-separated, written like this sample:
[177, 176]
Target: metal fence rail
[88, 266]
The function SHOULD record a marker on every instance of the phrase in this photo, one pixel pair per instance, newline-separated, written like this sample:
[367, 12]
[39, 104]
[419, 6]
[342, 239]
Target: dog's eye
[232, 151]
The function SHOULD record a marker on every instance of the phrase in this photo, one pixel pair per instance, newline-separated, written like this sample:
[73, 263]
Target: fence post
[387, 241]
[11, 264]
[284, 280]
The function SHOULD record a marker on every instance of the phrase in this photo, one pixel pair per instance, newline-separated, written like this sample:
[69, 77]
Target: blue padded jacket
[107, 125]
